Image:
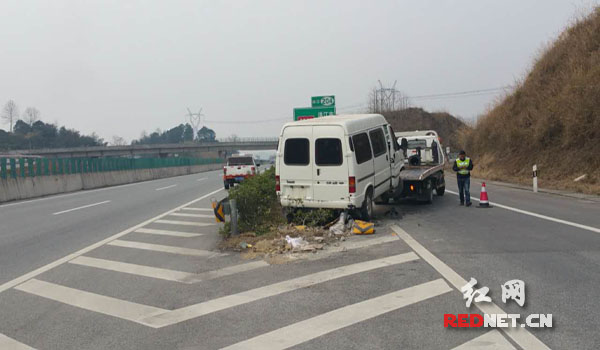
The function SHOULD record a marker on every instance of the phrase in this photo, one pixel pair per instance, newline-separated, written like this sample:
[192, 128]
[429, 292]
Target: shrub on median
[258, 206]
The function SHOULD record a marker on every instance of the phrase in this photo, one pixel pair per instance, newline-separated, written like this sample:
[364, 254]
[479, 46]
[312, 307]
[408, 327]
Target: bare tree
[31, 115]
[118, 141]
[10, 113]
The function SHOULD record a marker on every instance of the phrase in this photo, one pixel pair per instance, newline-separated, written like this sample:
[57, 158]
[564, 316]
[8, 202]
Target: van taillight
[277, 185]
[224, 170]
[352, 184]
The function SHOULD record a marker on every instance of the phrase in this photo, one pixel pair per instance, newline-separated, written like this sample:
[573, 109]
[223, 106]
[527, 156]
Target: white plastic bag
[339, 228]
[295, 242]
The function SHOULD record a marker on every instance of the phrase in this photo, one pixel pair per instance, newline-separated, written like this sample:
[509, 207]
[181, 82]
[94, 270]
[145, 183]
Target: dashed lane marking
[79, 208]
[166, 187]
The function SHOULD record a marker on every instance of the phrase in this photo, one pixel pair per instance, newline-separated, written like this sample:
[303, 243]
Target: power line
[245, 121]
[452, 94]
[445, 95]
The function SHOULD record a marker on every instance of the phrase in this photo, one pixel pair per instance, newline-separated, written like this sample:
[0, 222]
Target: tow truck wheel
[440, 191]
[226, 185]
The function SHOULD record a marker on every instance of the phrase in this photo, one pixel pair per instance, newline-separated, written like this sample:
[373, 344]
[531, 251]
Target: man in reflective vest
[463, 166]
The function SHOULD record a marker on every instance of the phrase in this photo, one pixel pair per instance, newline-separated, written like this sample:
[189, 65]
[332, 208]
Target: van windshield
[296, 152]
[240, 161]
[328, 152]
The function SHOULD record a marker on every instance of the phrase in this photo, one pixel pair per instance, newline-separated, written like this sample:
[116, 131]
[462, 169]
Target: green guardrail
[30, 167]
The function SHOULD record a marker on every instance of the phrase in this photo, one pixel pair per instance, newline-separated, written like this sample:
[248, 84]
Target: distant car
[238, 169]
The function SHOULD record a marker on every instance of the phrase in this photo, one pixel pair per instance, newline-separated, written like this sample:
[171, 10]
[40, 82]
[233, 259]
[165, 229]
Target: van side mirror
[404, 144]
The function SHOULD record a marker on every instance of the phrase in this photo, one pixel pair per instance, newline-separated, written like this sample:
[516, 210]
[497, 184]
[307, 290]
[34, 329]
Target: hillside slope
[411, 119]
[552, 118]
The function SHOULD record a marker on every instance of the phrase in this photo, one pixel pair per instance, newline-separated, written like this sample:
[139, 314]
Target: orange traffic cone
[483, 197]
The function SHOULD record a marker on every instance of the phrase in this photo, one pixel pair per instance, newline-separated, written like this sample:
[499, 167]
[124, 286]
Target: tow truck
[424, 165]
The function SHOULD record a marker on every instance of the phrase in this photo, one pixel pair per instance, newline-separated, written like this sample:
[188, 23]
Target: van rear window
[362, 148]
[296, 152]
[328, 152]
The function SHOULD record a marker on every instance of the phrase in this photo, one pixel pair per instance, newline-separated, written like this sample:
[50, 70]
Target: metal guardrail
[36, 166]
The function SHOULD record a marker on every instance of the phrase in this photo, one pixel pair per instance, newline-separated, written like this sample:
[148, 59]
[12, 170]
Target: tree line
[26, 131]
[180, 134]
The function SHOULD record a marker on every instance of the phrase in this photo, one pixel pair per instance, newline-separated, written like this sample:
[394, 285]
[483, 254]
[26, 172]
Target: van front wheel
[366, 211]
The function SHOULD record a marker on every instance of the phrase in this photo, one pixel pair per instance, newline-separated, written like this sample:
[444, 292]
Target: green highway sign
[323, 101]
[313, 112]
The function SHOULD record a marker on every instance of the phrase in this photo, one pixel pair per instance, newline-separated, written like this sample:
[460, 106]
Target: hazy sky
[120, 67]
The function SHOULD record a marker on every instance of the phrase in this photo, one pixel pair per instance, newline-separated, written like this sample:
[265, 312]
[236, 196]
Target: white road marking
[355, 244]
[222, 303]
[164, 188]
[201, 179]
[165, 274]
[168, 233]
[14, 282]
[90, 301]
[198, 209]
[82, 207]
[162, 248]
[549, 218]
[156, 318]
[184, 223]
[9, 343]
[193, 215]
[519, 335]
[492, 340]
[331, 321]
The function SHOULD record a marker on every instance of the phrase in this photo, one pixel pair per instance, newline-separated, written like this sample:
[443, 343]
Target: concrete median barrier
[39, 186]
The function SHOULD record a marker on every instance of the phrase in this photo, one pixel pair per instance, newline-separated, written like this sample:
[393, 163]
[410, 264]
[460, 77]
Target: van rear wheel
[366, 211]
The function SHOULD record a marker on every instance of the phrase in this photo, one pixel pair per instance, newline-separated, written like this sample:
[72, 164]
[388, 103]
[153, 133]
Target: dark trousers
[464, 183]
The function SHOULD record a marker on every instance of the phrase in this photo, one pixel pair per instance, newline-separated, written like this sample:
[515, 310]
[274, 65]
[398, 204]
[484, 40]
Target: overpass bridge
[160, 150]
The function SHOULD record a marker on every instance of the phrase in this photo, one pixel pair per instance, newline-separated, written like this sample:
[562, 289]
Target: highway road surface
[136, 267]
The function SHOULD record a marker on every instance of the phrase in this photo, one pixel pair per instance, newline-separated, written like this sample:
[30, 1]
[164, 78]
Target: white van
[338, 162]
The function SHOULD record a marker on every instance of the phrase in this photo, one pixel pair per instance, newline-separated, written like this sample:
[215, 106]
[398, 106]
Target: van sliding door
[381, 161]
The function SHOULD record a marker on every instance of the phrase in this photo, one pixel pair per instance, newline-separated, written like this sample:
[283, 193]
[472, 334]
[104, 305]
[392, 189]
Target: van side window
[296, 152]
[328, 152]
[378, 142]
[362, 148]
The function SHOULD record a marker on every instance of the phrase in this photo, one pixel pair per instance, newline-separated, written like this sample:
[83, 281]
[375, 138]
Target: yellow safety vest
[464, 163]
